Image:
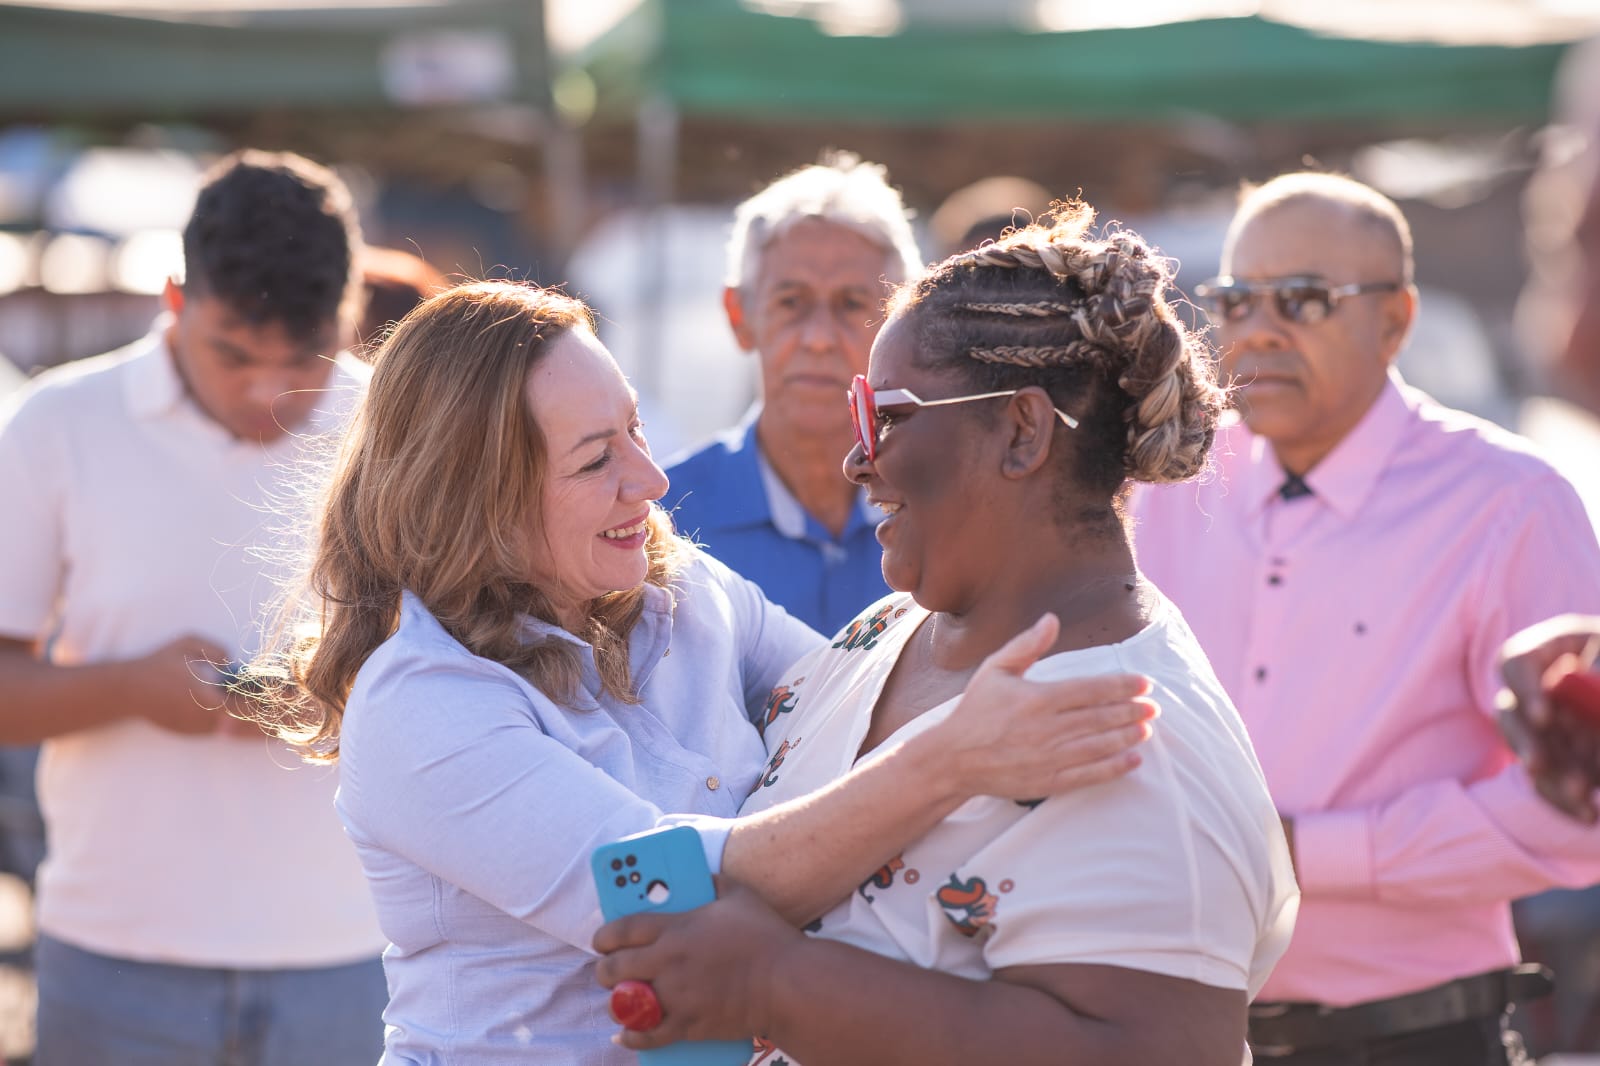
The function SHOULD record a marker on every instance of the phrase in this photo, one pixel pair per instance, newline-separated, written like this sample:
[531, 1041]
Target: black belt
[1278, 1029]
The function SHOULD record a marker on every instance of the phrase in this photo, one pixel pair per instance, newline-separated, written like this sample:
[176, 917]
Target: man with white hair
[809, 264]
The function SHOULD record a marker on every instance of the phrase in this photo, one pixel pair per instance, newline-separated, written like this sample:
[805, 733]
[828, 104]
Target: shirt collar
[647, 643]
[1346, 475]
[787, 514]
[154, 389]
[657, 601]
[774, 505]
[732, 503]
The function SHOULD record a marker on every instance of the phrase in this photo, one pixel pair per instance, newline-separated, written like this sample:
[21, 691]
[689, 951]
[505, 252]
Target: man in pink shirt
[1352, 571]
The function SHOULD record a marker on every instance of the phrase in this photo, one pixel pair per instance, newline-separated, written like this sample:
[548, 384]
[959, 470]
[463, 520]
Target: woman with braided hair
[513, 658]
[1013, 394]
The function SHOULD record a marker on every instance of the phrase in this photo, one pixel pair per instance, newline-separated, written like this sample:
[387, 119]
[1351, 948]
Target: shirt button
[1275, 579]
[713, 782]
[1261, 673]
[666, 653]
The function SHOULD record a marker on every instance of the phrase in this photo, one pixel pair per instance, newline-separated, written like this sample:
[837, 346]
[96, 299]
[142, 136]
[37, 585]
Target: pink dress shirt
[1358, 630]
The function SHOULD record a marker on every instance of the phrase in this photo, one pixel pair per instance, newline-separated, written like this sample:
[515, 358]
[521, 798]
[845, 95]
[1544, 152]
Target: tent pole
[560, 153]
[657, 163]
[564, 183]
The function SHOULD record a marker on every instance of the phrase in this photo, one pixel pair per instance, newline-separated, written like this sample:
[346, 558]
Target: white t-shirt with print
[1179, 868]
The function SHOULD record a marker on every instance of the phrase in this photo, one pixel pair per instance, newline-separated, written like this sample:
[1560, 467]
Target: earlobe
[733, 306]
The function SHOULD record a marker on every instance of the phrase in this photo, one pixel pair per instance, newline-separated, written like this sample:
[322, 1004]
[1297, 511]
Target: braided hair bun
[1086, 318]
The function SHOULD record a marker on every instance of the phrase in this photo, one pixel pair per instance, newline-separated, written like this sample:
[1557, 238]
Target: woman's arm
[453, 775]
[1007, 737]
[1037, 739]
[732, 969]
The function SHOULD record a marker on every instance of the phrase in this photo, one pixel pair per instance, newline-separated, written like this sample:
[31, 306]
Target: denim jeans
[94, 1009]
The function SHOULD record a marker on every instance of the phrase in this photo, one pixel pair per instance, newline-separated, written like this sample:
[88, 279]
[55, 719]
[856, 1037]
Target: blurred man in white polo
[198, 903]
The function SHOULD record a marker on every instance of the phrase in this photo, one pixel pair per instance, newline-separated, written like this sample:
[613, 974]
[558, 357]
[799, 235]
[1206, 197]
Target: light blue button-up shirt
[474, 801]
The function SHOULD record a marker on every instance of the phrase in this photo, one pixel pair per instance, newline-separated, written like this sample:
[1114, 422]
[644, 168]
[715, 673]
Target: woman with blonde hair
[514, 659]
[1125, 923]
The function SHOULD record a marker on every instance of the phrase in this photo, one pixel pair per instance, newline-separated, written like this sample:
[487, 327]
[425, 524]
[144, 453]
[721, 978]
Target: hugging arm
[1120, 924]
[1038, 739]
[733, 968]
[499, 808]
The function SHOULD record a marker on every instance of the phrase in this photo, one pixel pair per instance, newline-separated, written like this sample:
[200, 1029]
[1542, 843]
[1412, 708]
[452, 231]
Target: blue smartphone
[663, 870]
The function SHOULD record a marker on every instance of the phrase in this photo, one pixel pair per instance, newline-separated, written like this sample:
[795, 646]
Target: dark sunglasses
[1305, 300]
[864, 404]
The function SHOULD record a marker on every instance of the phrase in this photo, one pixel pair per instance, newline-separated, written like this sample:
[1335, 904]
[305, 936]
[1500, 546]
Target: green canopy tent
[424, 86]
[700, 83]
[752, 77]
[60, 62]
[724, 57]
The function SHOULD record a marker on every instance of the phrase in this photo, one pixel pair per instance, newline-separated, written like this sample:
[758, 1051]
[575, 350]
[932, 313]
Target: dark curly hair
[274, 236]
[1088, 319]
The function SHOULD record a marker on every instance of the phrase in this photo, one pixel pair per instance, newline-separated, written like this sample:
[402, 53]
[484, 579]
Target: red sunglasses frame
[865, 401]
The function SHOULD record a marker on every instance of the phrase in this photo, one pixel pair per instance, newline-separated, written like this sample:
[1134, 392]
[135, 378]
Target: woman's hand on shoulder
[1024, 739]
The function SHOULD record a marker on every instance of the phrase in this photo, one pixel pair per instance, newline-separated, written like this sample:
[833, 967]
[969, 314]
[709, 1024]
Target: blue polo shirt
[729, 500]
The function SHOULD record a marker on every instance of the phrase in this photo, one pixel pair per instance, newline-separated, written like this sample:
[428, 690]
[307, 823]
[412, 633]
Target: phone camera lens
[634, 877]
[621, 881]
[616, 864]
[633, 860]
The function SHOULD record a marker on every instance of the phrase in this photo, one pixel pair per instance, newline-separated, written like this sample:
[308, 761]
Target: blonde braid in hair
[1038, 357]
[1123, 320]
[1037, 309]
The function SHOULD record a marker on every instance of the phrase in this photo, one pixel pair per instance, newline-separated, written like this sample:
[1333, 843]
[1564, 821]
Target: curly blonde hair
[1086, 318]
[436, 490]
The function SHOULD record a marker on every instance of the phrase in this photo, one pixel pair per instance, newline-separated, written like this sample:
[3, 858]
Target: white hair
[842, 190]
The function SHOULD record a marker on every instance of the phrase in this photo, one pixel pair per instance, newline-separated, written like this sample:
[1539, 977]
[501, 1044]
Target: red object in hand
[634, 1005]
[1570, 686]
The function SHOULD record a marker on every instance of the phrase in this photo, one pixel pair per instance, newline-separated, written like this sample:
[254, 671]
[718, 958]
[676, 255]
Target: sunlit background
[601, 144]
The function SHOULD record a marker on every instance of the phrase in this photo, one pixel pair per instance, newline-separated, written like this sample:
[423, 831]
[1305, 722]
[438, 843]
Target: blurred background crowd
[601, 144]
